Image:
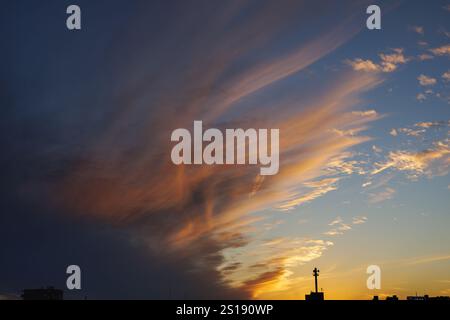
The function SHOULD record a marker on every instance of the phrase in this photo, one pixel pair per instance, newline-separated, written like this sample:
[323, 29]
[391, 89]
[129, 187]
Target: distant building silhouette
[49, 293]
[392, 298]
[316, 295]
[417, 298]
[375, 298]
[426, 297]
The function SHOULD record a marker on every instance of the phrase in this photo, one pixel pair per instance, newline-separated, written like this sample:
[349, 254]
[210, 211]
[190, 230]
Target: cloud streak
[429, 162]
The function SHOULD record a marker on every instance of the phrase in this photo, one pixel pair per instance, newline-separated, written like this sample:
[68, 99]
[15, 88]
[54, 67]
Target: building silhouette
[426, 298]
[49, 293]
[316, 295]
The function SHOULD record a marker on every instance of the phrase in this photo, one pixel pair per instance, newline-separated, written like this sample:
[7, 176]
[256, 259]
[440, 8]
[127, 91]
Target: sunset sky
[87, 179]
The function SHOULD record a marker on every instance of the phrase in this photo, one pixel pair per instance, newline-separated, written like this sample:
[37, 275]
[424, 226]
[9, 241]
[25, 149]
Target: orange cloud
[271, 269]
[441, 51]
[432, 161]
[203, 214]
[388, 62]
[426, 81]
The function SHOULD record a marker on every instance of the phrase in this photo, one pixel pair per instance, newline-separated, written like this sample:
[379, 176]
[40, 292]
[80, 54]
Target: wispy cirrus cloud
[318, 189]
[338, 220]
[359, 220]
[345, 164]
[426, 259]
[432, 124]
[205, 213]
[419, 128]
[412, 158]
[425, 56]
[339, 227]
[429, 162]
[383, 195]
[411, 132]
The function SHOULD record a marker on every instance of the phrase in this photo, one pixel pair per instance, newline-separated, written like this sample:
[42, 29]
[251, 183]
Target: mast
[316, 274]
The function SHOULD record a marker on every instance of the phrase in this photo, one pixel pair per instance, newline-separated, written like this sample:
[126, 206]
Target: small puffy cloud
[422, 43]
[393, 132]
[396, 56]
[365, 113]
[441, 51]
[446, 7]
[418, 29]
[388, 62]
[426, 81]
[333, 232]
[421, 97]
[446, 76]
[338, 220]
[359, 220]
[424, 95]
[363, 65]
[425, 56]
[344, 227]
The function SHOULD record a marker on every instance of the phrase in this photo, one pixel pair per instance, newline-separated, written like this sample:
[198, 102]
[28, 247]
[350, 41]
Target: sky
[87, 179]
